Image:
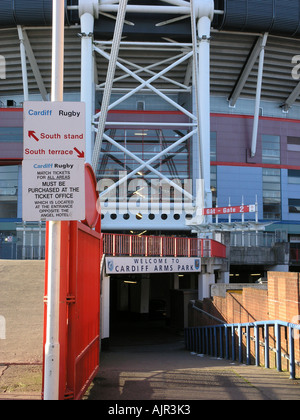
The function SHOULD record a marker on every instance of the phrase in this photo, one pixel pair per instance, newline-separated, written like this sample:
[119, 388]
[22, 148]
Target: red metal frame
[120, 245]
[79, 312]
[84, 308]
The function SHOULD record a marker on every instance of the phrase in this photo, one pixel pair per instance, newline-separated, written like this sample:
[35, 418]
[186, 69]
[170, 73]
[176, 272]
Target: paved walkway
[151, 364]
[156, 366]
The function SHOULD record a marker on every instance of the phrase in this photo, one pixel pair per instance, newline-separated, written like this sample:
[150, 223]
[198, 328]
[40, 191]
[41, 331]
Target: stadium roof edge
[253, 16]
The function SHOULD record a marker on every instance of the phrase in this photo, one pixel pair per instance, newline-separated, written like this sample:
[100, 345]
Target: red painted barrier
[82, 357]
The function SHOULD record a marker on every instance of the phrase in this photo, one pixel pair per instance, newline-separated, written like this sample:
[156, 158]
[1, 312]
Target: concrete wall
[260, 255]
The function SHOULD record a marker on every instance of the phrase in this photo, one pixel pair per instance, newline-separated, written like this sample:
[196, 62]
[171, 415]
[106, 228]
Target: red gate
[79, 311]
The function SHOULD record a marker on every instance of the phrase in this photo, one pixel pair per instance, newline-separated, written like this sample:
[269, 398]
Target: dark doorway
[140, 310]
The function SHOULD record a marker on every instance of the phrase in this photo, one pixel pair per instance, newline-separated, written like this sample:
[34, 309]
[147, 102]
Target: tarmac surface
[146, 361]
[21, 348]
[151, 363]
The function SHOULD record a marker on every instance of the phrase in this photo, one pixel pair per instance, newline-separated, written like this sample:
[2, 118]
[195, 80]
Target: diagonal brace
[148, 164]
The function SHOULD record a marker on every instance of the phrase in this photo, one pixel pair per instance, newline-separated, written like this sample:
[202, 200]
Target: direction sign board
[54, 159]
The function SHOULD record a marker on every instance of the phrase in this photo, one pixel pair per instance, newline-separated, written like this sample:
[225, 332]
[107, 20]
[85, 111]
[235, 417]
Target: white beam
[203, 94]
[162, 46]
[147, 83]
[148, 163]
[140, 68]
[87, 78]
[147, 124]
[258, 94]
[23, 63]
[109, 80]
[245, 73]
[188, 73]
[152, 73]
[291, 98]
[180, 10]
[35, 67]
[88, 12]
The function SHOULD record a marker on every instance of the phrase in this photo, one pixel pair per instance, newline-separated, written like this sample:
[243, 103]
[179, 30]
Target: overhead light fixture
[139, 216]
[130, 282]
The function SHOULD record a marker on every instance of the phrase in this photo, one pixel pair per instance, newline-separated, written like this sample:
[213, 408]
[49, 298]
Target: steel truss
[145, 85]
[195, 53]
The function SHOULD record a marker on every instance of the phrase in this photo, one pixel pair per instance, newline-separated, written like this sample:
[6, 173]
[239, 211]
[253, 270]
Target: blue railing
[233, 341]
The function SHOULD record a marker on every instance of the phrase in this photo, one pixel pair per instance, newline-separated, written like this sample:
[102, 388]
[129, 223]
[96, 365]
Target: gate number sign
[229, 210]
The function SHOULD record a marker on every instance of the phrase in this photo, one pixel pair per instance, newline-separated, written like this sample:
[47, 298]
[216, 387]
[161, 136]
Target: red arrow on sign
[80, 154]
[32, 134]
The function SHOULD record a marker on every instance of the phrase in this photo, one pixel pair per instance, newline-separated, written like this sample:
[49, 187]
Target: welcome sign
[136, 265]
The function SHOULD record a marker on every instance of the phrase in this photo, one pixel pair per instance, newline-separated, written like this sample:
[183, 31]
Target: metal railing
[15, 251]
[236, 342]
[119, 245]
[254, 239]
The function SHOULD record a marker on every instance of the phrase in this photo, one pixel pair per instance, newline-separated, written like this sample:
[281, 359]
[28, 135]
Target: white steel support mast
[201, 13]
[52, 345]
[88, 11]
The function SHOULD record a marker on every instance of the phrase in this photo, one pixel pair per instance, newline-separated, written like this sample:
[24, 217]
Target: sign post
[54, 158]
[52, 347]
[54, 191]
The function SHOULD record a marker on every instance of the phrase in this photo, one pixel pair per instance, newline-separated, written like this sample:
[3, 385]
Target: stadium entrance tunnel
[148, 282]
[149, 309]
